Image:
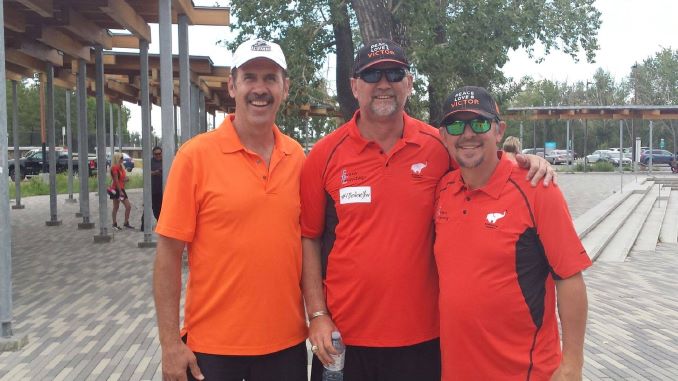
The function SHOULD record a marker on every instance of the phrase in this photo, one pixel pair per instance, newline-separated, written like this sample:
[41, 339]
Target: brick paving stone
[88, 308]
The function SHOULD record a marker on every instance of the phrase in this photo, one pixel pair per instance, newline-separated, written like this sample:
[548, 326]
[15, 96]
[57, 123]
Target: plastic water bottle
[335, 371]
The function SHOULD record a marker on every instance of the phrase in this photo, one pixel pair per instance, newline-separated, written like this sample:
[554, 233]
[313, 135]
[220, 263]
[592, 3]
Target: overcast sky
[631, 31]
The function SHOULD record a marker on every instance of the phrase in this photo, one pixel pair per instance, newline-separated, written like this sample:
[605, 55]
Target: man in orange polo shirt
[232, 198]
[520, 252]
[367, 205]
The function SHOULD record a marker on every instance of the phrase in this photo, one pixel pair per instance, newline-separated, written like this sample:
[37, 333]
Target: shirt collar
[229, 141]
[497, 181]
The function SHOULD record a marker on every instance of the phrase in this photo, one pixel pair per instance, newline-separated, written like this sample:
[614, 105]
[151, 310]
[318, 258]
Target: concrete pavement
[88, 309]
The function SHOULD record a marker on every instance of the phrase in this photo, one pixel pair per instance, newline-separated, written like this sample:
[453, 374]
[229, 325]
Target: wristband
[318, 314]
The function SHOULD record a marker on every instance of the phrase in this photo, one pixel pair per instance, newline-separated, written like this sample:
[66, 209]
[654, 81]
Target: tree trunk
[374, 18]
[344, 42]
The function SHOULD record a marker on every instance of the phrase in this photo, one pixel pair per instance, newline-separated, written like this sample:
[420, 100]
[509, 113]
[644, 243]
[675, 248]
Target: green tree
[450, 42]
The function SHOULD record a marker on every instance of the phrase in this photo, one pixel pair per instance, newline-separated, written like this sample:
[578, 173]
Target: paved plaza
[88, 310]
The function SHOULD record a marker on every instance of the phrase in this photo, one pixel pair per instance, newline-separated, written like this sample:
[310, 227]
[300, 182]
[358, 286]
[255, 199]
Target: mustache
[260, 97]
[463, 141]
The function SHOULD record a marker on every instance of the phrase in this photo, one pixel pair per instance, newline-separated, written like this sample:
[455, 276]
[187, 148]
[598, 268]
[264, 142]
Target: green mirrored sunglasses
[479, 126]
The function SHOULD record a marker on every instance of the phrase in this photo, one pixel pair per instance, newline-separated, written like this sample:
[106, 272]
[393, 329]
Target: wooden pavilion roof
[592, 112]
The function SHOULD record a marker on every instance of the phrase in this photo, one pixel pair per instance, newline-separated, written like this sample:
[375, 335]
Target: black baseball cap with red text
[380, 50]
[470, 99]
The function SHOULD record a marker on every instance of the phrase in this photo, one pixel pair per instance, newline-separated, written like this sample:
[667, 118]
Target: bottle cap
[336, 335]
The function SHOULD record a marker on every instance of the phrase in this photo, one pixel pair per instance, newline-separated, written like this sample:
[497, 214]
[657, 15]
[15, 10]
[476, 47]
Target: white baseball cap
[259, 48]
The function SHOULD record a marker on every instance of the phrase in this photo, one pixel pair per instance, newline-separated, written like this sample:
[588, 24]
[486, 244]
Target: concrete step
[649, 235]
[669, 231]
[621, 243]
[586, 222]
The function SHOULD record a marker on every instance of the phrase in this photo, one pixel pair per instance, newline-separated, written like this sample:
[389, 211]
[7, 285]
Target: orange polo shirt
[372, 211]
[498, 250]
[241, 222]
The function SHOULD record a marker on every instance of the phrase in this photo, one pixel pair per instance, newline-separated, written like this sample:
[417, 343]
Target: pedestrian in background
[512, 147]
[118, 180]
[156, 184]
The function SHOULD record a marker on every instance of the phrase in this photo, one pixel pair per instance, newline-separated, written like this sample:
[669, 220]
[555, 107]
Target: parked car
[659, 156]
[31, 164]
[534, 151]
[559, 156]
[596, 155]
[127, 162]
[613, 158]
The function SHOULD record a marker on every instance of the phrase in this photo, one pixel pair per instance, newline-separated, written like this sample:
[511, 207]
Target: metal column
[567, 147]
[101, 146]
[203, 112]
[621, 156]
[166, 85]
[146, 145]
[17, 156]
[51, 141]
[184, 80]
[83, 146]
[651, 146]
[195, 110]
[69, 144]
[521, 133]
[111, 130]
[120, 126]
[214, 120]
[9, 341]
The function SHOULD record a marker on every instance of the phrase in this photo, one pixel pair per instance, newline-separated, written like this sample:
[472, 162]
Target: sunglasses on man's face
[157, 153]
[374, 75]
[479, 126]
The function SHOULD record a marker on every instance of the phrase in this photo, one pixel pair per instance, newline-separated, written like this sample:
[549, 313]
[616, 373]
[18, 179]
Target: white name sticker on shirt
[355, 195]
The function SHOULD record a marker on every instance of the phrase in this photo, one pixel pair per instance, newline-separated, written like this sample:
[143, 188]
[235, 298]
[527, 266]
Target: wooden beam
[122, 88]
[221, 71]
[53, 37]
[12, 76]
[127, 41]
[184, 7]
[23, 60]
[42, 52]
[14, 20]
[19, 70]
[128, 18]
[109, 59]
[42, 7]
[87, 30]
[211, 16]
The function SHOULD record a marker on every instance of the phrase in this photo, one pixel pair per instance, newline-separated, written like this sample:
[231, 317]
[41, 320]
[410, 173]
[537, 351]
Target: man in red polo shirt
[232, 199]
[520, 252]
[367, 205]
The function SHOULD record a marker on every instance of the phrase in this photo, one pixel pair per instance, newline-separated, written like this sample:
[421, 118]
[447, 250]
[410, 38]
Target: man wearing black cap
[498, 295]
[367, 193]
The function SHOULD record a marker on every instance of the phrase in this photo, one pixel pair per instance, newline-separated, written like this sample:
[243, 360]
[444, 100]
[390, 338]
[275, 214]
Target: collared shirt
[498, 249]
[373, 212]
[241, 222]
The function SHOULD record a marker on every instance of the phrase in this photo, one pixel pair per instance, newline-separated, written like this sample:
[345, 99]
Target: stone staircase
[637, 218]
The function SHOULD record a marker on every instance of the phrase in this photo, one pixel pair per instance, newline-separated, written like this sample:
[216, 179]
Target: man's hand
[176, 358]
[538, 168]
[320, 334]
[567, 373]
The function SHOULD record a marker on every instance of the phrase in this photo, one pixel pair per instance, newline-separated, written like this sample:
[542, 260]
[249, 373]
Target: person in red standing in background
[119, 178]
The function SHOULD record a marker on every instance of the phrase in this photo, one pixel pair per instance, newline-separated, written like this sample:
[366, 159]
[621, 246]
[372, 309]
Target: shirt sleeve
[180, 200]
[313, 195]
[564, 250]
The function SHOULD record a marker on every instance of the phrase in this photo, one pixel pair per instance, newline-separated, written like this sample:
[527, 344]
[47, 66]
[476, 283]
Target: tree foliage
[449, 42]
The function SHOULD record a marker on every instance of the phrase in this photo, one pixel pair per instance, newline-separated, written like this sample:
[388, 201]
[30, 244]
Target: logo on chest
[417, 168]
[492, 218]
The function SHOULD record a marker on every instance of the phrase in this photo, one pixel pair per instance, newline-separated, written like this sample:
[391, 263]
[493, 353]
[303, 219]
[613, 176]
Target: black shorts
[118, 195]
[419, 362]
[286, 365]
